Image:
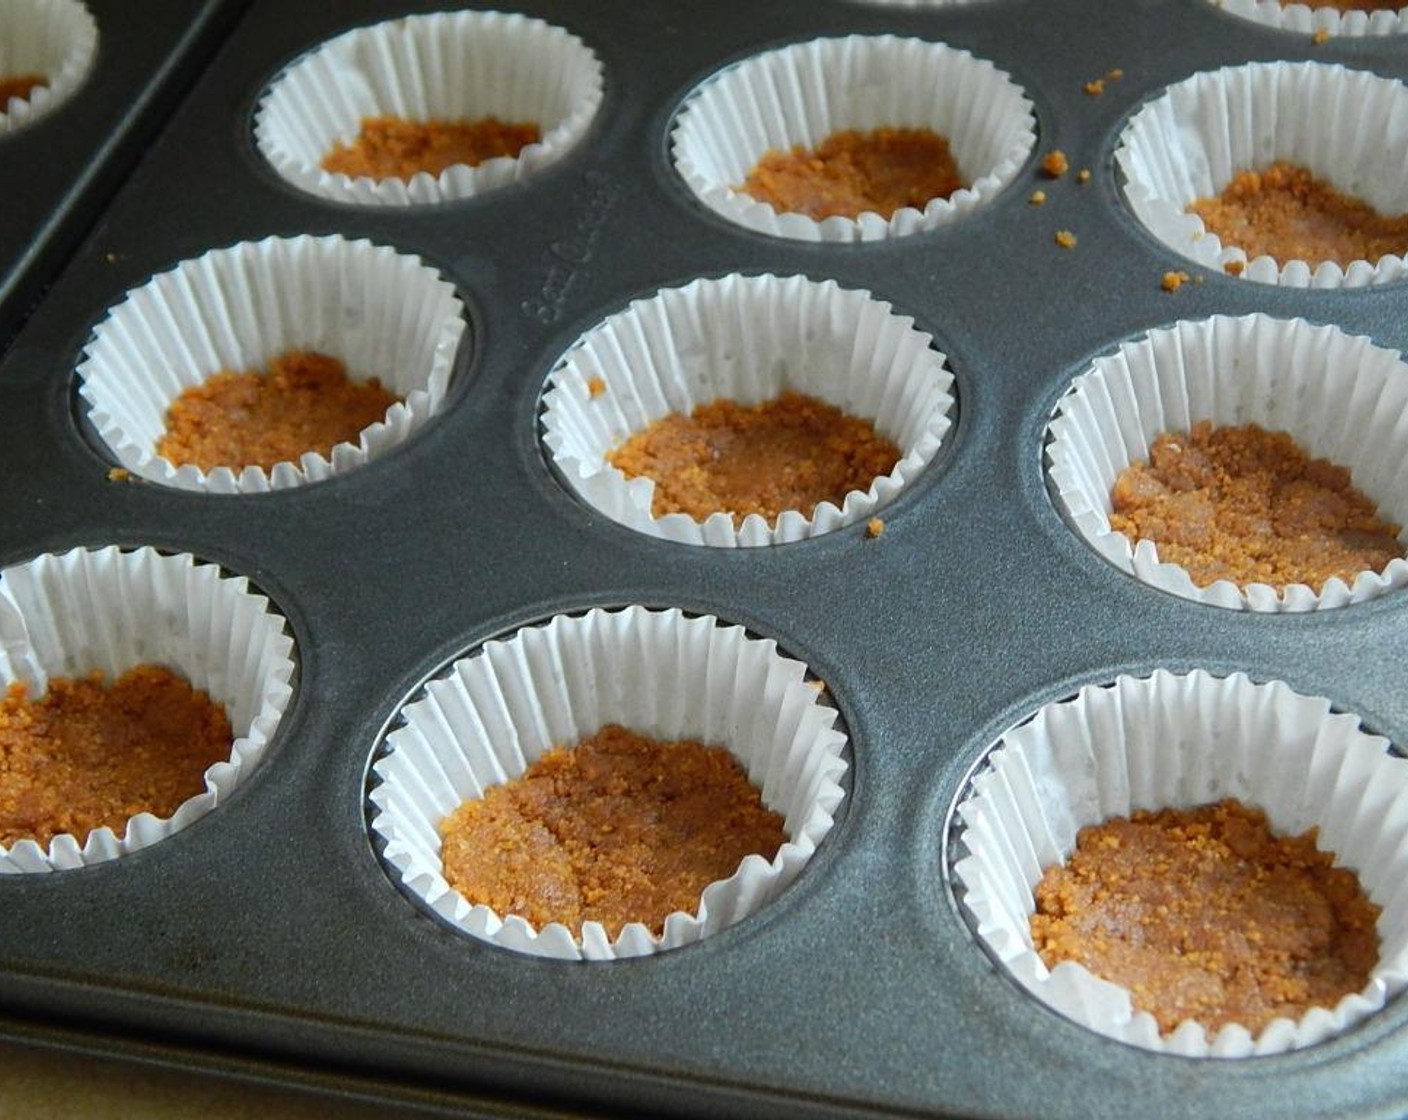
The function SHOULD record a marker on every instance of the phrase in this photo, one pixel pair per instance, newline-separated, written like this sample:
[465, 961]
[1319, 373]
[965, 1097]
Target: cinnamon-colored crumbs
[874, 527]
[1065, 238]
[1286, 213]
[19, 86]
[618, 829]
[1172, 281]
[85, 755]
[852, 172]
[791, 452]
[595, 387]
[395, 148]
[305, 402]
[1038, 198]
[1055, 163]
[1203, 914]
[1249, 506]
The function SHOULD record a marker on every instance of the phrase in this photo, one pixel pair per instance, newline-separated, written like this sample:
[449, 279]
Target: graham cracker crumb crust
[394, 148]
[1203, 914]
[620, 828]
[88, 755]
[852, 172]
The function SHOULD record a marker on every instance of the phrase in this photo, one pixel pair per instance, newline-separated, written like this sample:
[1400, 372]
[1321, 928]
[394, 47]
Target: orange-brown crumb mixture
[791, 452]
[85, 755]
[394, 148]
[853, 172]
[304, 403]
[1249, 506]
[19, 85]
[1203, 914]
[617, 829]
[1286, 213]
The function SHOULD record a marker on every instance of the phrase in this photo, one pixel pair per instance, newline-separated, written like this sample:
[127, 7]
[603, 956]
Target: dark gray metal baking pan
[267, 938]
[56, 174]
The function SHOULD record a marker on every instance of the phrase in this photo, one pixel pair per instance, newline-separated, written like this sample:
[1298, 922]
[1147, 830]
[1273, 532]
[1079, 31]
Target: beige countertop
[37, 1083]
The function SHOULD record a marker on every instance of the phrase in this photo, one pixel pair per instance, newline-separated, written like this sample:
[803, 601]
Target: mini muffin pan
[267, 939]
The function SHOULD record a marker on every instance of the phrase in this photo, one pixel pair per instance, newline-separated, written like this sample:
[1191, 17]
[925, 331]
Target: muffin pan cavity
[54, 40]
[1177, 741]
[108, 610]
[657, 673]
[445, 66]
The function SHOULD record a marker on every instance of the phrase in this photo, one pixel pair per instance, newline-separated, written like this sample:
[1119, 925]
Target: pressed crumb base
[304, 403]
[84, 755]
[791, 452]
[617, 829]
[394, 148]
[1247, 505]
[1286, 213]
[19, 85]
[1203, 914]
[851, 173]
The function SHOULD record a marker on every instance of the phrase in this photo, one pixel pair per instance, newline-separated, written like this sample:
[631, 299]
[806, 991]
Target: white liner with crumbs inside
[55, 38]
[803, 93]
[745, 338]
[1302, 18]
[384, 314]
[69, 614]
[659, 673]
[1339, 396]
[442, 66]
[1171, 741]
[1347, 127]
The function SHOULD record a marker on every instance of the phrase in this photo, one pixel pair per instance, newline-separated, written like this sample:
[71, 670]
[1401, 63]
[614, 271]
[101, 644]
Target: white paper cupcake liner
[1307, 20]
[803, 93]
[383, 314]
[1339, 396]
[1347, 127]
[69, 614]
[447, 66]
[56, 38]
[747, 338]
[1170, 741]
[658, 673]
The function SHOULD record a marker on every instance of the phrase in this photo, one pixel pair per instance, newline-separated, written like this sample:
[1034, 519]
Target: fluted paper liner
[1347, 127]
[446, 65]
[1339, 396]
[1307, 20]
[1169, 741]
[747, 338]
[384, 314]
[803, 93]
[66, 615]
[659, 673]
[56, 38]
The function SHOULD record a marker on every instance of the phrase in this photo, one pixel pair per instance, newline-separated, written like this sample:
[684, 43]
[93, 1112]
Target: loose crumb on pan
[86, 755]
[1038, 198]
[1115, 75]
[874, 527]
[791, 452]
[595, 387]
[1204, 914]
[306, 402]
[617, 829]
[1172, 281]
[1321, 36]
[1055, 163]
[119, 474]
[1286, 213]
[1065, 238]
[1243, 504]
[19, 86]
[852, 173]
[395, 148]
[1083, 175]
[1095, 87]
